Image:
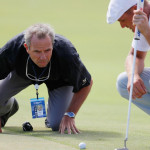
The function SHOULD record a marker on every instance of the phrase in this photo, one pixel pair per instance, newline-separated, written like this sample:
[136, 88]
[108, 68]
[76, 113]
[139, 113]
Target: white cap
[117, 8]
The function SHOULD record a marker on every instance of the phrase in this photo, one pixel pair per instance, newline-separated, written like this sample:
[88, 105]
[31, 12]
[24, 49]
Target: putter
[140, 5]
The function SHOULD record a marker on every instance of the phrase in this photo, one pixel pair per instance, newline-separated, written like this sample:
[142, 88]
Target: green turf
[102, 48]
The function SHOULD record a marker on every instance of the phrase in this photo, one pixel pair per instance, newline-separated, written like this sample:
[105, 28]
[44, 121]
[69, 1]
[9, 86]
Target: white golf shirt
[142, 44]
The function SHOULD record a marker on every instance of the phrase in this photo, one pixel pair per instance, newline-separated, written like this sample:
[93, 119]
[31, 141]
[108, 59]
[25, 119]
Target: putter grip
[140, 5]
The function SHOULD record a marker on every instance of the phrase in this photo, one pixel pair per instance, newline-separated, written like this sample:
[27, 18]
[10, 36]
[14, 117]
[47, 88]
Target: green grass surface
[102, 48]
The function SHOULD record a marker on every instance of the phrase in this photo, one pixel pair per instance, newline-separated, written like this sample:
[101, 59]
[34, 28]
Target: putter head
[121, 148]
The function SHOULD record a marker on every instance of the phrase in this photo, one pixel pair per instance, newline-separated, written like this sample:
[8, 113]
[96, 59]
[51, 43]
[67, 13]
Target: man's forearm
[79, 98]
[139, 66]
[147, 35]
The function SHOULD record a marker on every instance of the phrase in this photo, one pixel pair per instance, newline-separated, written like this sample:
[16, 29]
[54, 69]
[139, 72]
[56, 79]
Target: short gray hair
[41, 31]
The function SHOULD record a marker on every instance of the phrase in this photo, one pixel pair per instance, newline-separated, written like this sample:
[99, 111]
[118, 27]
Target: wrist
[69, 114]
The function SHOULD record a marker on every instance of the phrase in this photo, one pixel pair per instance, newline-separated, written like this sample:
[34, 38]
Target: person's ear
[134, 7]
[26, 47]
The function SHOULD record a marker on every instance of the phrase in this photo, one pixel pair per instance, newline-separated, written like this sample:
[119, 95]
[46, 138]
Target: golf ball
[82, 145]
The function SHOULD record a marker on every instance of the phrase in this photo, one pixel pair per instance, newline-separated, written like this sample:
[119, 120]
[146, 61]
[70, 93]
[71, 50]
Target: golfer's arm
[79, 98]
[139, 65]
[147, 35]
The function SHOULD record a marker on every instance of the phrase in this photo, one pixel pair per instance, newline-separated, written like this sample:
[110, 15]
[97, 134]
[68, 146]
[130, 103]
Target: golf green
[103, 48]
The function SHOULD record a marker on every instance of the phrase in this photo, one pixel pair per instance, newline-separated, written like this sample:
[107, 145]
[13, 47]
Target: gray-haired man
[39, 56]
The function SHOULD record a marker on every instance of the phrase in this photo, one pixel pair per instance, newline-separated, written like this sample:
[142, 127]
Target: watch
[69, 114]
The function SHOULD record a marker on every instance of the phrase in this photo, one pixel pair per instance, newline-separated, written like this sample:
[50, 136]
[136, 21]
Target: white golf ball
[82, 145]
